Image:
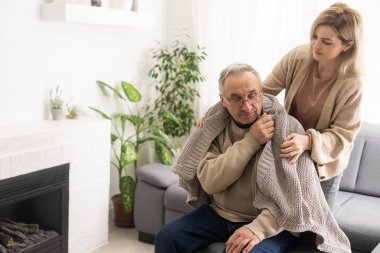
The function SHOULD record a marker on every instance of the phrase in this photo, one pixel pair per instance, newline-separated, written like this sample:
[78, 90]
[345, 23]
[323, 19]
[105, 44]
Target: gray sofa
[159, 200]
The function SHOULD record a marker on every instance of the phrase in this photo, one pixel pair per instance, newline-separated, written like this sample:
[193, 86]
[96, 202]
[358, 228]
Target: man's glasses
[252, 98]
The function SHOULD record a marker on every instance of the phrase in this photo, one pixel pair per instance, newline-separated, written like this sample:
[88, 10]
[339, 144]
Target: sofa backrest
[362, 174]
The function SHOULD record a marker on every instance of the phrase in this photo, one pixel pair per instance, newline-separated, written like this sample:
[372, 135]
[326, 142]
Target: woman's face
[326, 45]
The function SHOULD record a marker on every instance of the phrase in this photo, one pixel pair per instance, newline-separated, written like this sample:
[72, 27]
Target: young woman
[323, 91]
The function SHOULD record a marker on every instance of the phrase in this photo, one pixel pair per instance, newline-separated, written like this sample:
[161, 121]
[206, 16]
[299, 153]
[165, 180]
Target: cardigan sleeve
[329, 145]
[284, 71]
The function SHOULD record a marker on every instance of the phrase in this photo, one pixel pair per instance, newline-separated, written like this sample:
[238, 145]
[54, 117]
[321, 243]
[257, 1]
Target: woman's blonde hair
[347, 23]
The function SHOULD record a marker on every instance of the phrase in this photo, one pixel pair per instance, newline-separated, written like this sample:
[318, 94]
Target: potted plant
[56, 102]
[130, 130]
[176, 74]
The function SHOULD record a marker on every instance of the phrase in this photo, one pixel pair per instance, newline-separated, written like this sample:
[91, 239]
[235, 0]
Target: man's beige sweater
[291, 193]
[228, 173]
[339, 122]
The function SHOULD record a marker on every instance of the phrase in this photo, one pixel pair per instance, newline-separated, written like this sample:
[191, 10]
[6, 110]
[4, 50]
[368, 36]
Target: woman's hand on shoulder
[200, 122]
[294, 146]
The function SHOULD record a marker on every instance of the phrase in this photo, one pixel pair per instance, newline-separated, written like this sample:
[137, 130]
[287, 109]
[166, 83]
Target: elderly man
[227, 173]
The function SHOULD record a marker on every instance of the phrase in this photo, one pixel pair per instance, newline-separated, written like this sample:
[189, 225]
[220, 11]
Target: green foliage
[131, 129]
[176, 73]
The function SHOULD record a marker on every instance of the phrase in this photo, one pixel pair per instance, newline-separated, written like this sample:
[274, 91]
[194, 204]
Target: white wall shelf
[65, 12]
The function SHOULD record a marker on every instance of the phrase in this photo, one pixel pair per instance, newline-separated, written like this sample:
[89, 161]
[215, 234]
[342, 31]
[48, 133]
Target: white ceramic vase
[57, 114]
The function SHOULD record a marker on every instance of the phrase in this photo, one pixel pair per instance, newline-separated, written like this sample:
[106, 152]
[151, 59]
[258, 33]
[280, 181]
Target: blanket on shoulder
[292, 193]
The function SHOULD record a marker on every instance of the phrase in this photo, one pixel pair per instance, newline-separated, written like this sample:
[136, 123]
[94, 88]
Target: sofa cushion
[369, 176]
[350, 174]
[175, 199]
[356, 216]
[157, 174]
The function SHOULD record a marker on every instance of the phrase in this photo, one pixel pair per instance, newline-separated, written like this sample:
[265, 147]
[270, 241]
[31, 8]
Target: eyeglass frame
[254, 100]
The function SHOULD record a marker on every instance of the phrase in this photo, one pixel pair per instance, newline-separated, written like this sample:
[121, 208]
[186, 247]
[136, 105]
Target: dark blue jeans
[203, 226]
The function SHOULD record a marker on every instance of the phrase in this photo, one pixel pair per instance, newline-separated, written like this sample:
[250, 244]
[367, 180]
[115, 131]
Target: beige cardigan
[292, 193]
[332, 140]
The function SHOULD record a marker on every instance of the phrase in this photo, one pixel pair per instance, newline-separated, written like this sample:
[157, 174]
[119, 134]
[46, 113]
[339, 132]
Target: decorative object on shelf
[176, 74]
[82, 14]
[78, 2]
[135, 5]
[72, 112]
[96, 3]
[131, 129]
[56, 102]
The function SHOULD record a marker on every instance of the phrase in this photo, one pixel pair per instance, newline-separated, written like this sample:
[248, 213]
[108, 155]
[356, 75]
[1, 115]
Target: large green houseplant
[130, 130]
[176, 73]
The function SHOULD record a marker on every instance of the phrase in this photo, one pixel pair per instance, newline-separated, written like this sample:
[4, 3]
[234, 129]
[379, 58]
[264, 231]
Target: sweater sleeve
[281, 76]
[264, 226]
[218, 170]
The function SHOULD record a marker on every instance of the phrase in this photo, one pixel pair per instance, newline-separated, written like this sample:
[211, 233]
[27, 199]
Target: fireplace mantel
[85, 144]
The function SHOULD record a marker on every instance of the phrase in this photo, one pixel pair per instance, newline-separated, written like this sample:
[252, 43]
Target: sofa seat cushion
[175, 199]
[356, 217]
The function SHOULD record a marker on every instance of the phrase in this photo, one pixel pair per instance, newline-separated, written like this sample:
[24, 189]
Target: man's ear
[222, 100]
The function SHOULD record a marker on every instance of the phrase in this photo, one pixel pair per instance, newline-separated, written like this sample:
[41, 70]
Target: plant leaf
[156, 131]
[170, 117]
[163, 153]
[128, 188]
[131, 92]
[113, 138]
[134, 119]
[101, 113]
[129, 154]
[102, 86]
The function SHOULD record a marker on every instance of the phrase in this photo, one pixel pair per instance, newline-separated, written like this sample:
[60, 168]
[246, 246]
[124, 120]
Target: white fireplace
[85, 145]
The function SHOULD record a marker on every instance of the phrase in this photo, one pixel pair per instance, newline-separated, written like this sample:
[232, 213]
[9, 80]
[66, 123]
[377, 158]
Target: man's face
[238, 87]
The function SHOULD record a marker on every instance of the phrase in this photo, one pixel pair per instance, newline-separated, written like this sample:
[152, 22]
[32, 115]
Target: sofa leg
[145, 237]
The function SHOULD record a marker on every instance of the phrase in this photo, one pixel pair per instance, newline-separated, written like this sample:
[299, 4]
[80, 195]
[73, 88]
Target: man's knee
[166, 234]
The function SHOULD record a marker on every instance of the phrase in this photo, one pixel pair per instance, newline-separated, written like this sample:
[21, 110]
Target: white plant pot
[57, 114]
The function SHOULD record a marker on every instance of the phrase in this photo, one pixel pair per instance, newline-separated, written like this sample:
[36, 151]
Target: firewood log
[16, 235]
[20, 226]
[6, 240]
[3, 249]
[14, 227]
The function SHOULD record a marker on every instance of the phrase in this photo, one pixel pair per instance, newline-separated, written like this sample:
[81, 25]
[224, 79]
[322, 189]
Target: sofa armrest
[157, 174]
[377, 249]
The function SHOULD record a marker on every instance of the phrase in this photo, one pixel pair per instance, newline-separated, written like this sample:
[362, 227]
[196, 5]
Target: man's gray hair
[236, 67]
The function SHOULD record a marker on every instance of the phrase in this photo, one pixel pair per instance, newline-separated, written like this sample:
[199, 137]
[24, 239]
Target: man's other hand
[242, 240]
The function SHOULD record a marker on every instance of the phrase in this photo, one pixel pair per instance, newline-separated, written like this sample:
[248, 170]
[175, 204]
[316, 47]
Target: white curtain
[260, 32]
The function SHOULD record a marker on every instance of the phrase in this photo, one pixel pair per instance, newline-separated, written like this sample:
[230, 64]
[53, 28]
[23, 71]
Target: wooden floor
[124, 240]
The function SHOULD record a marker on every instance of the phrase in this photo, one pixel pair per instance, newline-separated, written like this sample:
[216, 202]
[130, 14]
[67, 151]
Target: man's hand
[262, 129]
[242, 240]
[294, 146]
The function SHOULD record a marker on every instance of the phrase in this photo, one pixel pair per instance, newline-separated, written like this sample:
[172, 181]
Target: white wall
[36, 55]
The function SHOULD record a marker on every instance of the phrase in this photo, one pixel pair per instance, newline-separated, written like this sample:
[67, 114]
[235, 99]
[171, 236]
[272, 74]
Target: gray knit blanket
[292, 193]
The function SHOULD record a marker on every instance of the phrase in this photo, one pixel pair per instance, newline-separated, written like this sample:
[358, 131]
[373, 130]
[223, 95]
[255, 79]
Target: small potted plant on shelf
[56, 102]
[72, 112]
[130, 130]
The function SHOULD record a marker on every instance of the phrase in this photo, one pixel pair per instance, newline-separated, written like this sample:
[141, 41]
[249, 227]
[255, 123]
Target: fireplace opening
[39, 201]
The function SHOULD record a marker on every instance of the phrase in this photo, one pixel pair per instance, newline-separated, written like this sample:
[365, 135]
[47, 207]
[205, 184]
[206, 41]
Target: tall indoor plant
[130, 130]
[176, 73]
